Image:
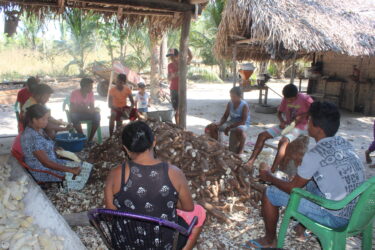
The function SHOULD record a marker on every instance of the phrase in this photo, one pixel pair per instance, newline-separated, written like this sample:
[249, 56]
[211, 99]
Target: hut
[337, 36]
[158, 15]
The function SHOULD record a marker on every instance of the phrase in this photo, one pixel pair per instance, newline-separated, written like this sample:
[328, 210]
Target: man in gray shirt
[331, 169]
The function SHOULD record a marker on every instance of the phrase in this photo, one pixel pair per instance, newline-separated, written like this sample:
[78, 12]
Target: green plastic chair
[361, 221]
[66, 109]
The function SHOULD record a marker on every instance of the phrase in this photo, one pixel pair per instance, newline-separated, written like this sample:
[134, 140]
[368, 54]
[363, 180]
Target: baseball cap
[172, 52]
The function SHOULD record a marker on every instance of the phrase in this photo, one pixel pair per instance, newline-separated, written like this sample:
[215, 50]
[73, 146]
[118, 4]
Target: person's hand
[282, 124]
[226, 131]
[264, 172]
[75, 171]
[69, 126]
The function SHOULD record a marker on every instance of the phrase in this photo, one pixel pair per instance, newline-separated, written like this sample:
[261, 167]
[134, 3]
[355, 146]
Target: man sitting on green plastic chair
[331, 169]
[82, 107]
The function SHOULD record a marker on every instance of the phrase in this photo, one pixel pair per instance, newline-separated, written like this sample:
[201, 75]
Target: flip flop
[254, 243]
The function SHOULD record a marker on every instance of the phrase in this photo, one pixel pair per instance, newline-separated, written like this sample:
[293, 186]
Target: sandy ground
[206, 103]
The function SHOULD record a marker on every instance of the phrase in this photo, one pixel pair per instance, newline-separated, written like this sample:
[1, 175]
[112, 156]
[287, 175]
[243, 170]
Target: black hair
[35, 111]
[137, 137]
[42, 89]
[326, 116]
[237, 91]
[121, 77]
[31, 81]
[290, 90]
[86, 82]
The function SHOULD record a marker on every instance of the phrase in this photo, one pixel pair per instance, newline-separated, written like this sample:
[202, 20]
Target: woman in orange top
[117, 102]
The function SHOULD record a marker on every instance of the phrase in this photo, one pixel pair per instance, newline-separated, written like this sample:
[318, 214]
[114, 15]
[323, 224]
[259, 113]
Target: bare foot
[262, 243]
[368, 158]
[300, 232]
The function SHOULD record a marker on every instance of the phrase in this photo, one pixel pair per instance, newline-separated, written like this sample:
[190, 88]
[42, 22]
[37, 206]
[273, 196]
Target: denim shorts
[311, 210]
[143, 110]
[292, 135]
[244, 128]
[77, 117]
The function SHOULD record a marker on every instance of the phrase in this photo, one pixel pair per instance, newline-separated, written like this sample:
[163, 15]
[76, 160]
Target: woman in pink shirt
[82, 107]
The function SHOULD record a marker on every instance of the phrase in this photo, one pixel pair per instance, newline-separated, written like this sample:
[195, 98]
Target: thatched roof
[276, 29]
[161, 14]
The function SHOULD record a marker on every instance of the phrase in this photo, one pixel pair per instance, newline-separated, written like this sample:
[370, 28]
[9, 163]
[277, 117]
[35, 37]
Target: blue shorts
[244, 128]
[77, 117]
[143, 110]
[311, 210]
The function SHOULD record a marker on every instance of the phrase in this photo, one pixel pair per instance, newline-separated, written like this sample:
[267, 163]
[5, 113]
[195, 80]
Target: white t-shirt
[336, 169]
[142, 100]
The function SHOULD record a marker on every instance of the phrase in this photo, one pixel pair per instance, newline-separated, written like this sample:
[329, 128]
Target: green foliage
[31, 27]
[272, 69]
[81, 28]
[199, 73]
[139, 42]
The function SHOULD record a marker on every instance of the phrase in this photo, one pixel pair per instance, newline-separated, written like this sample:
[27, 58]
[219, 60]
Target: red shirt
[23, 95]
[172, 69]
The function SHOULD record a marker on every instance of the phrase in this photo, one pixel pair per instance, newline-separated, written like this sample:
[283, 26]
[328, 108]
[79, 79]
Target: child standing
[117, 102]
[142, 99]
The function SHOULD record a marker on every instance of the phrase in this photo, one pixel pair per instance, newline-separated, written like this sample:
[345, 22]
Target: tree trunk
[223, 70]
[155, 54]
[163, 59]
[11, 23]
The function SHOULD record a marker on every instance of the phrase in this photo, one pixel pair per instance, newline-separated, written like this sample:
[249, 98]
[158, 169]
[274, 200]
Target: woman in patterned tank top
[148, 186]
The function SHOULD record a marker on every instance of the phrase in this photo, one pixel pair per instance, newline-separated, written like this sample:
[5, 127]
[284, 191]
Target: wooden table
[261, 94]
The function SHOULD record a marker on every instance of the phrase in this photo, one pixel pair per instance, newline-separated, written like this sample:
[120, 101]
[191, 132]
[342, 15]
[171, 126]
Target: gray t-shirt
[336, 169]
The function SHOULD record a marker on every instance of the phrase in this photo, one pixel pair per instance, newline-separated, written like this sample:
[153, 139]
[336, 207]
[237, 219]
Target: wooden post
[234, 65]
[293, 69]
[182, 72]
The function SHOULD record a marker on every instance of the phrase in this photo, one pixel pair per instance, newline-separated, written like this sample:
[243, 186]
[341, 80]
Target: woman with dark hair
[239, 113]
[38, 149]
[148, 186]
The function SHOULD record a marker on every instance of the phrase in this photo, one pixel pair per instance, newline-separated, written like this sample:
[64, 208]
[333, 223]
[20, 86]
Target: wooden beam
[293, 69]
[149, 4]
[234, 65]
[250, 40]
[197, 1]
[61, 3]
[182, 68]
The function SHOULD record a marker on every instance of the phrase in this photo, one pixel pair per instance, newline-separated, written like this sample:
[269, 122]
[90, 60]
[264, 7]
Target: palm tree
[81, 28]
[31, 27]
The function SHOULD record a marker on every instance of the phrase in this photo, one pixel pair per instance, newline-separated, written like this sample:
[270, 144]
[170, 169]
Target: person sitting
[38, 149]
[294, 107]
[25, 93]
[82, 107]
[117, 102]
[331, 169]
[150, 187]
[239, 113]
[40, 95]
[142, 99]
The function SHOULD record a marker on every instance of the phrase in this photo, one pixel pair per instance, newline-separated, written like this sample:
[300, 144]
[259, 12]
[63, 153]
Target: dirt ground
[206, 103]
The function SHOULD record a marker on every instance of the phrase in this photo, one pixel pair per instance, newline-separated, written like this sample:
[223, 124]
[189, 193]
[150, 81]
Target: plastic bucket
[72, 142]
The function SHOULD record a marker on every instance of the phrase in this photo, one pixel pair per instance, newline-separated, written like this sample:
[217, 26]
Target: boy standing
[293, 108]
[331, 170]
[117, 102]
[142, 99]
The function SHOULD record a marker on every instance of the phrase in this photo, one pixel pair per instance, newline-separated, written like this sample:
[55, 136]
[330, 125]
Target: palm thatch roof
[161, 14]
[276, 29]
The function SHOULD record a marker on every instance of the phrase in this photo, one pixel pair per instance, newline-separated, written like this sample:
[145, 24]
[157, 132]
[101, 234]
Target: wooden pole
[182, 72]
[234, 65]
[293, 69]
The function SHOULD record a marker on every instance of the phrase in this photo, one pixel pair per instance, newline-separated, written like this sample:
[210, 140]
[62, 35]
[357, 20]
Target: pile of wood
[214, 173]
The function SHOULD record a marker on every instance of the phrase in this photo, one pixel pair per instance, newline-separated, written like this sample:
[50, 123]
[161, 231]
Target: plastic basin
[72, 142]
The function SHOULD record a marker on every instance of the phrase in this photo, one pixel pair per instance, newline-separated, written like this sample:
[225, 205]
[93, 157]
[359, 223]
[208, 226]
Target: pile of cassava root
[214, 173]
[17, 230]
